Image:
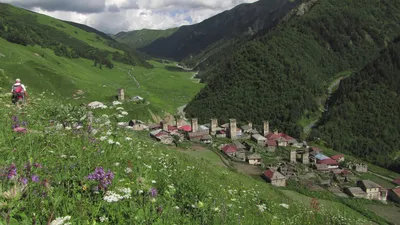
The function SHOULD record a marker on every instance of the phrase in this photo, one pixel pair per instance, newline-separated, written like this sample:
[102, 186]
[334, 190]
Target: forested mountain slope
[364, 112]
[279, 75]
[144, 37]
[73, 41]
[245, 19]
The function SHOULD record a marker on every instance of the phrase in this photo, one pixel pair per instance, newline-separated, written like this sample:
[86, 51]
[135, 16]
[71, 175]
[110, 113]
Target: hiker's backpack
[18, 90]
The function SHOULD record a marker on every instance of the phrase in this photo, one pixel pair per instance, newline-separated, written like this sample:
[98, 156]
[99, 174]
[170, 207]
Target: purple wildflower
[24, 124]
[11, 171]
[15, 118]
[104, 178]
[35, 178]
[23, 180]
[38, 165]
[153, 192]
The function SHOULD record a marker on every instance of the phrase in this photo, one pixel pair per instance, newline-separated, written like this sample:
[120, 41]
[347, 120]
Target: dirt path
[137, 82]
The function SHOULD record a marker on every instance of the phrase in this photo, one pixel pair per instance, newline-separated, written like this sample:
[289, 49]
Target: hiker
[19, 93]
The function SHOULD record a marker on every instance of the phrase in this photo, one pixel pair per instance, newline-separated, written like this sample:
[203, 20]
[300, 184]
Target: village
[279, 156]
[297, 160]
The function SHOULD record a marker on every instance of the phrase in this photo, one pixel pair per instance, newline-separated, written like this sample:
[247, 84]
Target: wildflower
[128, 139]
[110, 141]
[111, 196]
[119, 108]
[126, 191]
[153, 200]
[37, 165]
[120, 116]
[35, 178]
[124, 113]
[104, 178]
[105, 116]
[128, 170]
[103, 138]
[63, 156]
[109, 133]
[176, 207]
[216, 209]
[103, 219]
[68, 128]
[140, 192]
[262, 207]
[117, 143]
[200, 204]
[84, 187]
[116, 103]
[14, 193]
[148, 166]
[61, 221]
[153, 182]
[12, 171]
[23, 180]
[153, 192]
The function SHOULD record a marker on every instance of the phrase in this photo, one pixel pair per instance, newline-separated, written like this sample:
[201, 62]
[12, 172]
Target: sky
[113, 16]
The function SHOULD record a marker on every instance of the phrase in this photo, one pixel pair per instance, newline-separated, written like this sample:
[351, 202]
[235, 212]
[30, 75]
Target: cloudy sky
[112, 16]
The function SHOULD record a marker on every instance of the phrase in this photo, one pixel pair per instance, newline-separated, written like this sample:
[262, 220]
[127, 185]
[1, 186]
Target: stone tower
[213, 126]
[306, 157]
[250, 124]
[293, 156]
[195, 126]
[121, 95]
[179, 122]
[232, 129]
[164, 125]
[266, 128]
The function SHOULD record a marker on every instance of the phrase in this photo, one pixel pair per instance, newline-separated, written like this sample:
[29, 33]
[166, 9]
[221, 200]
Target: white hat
[18, 80]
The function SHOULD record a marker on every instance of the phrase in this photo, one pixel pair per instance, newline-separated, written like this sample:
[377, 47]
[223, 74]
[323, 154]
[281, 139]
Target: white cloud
[112, 16]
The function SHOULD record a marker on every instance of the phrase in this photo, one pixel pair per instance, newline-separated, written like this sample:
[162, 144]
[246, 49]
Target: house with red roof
[274, 177]
[396, 182]
[331, 164]
[282, 139]
[185, 128]
[394, 194]
[338, 158]
[229, 150]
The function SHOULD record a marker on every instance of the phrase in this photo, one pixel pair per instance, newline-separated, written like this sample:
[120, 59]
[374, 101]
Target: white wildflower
[127, 192]
[105, 116]
[128, 170]
[72, 156]
[216, 209]
[176, 207]
[111, 196]
[117, 103]
[103, 138]
[68, 128]
[63, 156]
[128, 139]
[262, 207]
[125, 113]
[103, 219]
[104, 107]
[153, 182]
[116, 164]
[148, 166]
[120, 116]
[110, 142]
[119, 108]
[140, 192]
[117, 143]
[61, 221]
[109, 133]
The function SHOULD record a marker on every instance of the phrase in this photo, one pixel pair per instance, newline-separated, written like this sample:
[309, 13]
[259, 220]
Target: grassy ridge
[41, 70]
[141, 38]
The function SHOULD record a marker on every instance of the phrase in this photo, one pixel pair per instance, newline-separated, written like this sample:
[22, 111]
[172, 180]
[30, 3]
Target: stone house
[239, 146]
[241, 155]
[332, 164]
[374, 191]
[259, 139]
[359, 167]
[394, 195]
[207, 139]
[220, 134]
[229, 150]
[254, 159]
[356, 192]
[271, 145]
[274, 177]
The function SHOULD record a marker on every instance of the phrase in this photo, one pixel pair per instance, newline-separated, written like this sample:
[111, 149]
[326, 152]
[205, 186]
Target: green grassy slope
[141, 38]
[161, 186]
[27, 28]
[41, 70]
[281, 74]
[362, 112]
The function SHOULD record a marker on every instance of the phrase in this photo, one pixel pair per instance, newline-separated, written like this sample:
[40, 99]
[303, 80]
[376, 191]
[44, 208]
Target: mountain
[281, 74]
[144, 37]
[363, 112]
[245, 19]
[27, 28]
[75, 63]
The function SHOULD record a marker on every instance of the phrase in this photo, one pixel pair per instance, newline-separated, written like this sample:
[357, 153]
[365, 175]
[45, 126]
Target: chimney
[251, 125]
[232, 128]
[164, 125]
[214, 125]
[266, 128]
[195, 126]
[179, 122]
[121, 95]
